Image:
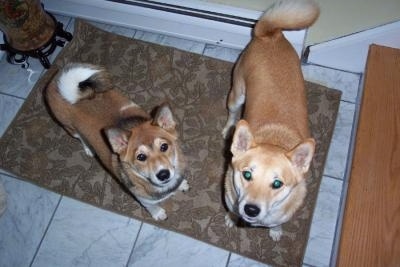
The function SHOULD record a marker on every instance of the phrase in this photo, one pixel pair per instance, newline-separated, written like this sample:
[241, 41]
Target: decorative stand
[29, 31]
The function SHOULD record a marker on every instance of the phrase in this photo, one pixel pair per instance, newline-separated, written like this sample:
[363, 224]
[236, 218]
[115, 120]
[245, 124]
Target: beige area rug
[37, 150]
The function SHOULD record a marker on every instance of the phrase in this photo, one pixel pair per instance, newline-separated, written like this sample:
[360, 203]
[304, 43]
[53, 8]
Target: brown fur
[116, 130]
[272, 141]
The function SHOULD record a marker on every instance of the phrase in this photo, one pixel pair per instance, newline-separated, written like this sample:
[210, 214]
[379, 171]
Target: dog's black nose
[251, 210]
[163, 175]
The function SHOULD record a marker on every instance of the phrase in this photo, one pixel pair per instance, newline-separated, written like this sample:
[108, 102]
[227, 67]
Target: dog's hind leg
[236, 100]
[87, 149]
[72, 132]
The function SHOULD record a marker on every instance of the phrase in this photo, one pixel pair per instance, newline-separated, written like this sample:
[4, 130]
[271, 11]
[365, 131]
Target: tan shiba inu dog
[271, 147]
[142, 152]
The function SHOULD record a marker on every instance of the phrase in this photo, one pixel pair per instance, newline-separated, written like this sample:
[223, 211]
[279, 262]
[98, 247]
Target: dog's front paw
[184, 186]
[275, 233]
[158, 213]
[228, 220]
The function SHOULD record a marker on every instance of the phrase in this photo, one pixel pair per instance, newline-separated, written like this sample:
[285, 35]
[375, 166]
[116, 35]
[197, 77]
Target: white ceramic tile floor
[41, 228]
[86, 236]
[159, 247]
[9, 106]
[22, 226]
[227, 54]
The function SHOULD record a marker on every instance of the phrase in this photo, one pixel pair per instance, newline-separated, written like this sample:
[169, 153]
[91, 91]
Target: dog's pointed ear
[118, 139]
[302, 155]
[243, 139]
[164, 118]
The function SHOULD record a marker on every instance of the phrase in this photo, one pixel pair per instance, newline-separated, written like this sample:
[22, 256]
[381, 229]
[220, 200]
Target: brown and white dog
[142, 152]
[272, 149]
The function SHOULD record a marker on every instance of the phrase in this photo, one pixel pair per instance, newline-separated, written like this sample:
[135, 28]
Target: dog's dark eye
[277, 184]
[164, 147]
[246, 175]
[141, 157]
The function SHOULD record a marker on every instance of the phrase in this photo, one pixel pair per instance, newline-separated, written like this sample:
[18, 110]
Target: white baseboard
[169, 23]
[350, 52]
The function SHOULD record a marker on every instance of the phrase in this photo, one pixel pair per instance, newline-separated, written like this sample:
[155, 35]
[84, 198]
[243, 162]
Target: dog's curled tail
[82, 81]
[287, 15]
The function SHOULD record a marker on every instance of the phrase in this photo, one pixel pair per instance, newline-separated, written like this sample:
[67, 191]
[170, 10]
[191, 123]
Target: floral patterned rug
[38, 150]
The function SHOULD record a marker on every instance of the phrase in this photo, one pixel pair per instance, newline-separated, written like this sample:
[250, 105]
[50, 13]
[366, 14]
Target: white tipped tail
[287, 15]
[70, 81]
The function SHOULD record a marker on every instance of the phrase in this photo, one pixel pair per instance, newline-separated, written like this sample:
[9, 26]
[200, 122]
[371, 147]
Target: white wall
[343, 17]
[338, 17]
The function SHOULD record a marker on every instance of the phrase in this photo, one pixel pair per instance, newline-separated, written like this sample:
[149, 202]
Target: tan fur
[116, 130]
[272, 140]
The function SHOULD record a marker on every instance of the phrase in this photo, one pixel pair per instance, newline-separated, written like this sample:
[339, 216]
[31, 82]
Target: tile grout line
[360, 92]
[45, 232]
[338, 225]
[134, 244]
[333, 177]
[349, 102]
[204, 49]
[14, 96]
[326, 67]
[228, 259]
[133, 35]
